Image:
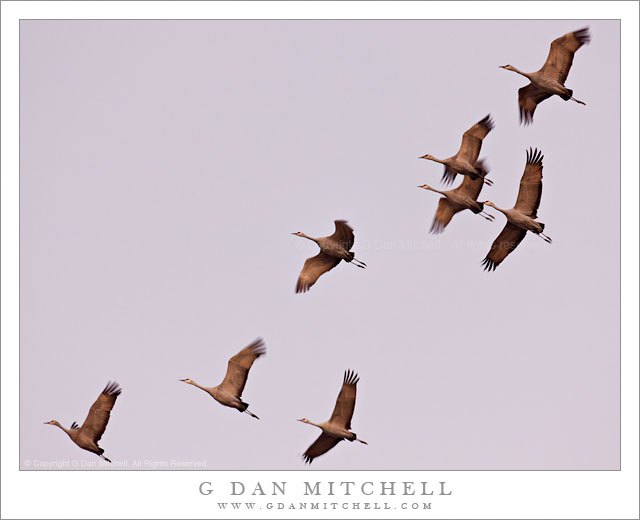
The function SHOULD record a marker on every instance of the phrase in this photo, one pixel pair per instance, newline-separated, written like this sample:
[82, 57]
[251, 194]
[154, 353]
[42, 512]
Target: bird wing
[561, 54]
[321, 446]
[472, 187]
[448, 176]
[343, 234]
[445, 212]
[96, 422]
[346, 401]
[530, 192]
[315, 267]
[507, 241]
[528, 98]
[239, 366]
[472, 139]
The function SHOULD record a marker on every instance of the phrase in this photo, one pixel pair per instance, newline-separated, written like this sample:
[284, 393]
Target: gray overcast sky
[164, 165]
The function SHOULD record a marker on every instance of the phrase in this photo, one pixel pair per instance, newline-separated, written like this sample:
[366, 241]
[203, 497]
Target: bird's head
[187, 381]
[304, 420]
[425, 187]
[54, 422]
[507, 67]
[428, 157]
[298, 233]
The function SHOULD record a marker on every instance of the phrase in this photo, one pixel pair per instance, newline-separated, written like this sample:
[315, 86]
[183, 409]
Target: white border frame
[476, 494]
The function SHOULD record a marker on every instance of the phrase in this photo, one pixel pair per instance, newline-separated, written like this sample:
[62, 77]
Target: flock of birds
[546, 82]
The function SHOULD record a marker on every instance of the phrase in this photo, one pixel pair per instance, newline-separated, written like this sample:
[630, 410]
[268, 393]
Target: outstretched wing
[239, 366]
[507, 241]
[346, 401]
[561, 54]
[96, 422]
[530, 192]
[528, 99]
[313, 268]
[445, 212]
[321, 446]
[472, 139]
[343, 234]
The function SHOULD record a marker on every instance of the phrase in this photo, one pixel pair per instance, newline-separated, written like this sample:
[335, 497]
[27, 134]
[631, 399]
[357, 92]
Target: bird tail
[541, 225]
[568, 95]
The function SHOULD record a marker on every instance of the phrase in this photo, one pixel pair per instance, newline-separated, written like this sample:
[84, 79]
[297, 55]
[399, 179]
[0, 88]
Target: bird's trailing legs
[103, 457]
[577, 100]
[358, 263]
[487, 216]
[251, 414]
[545, 238]
[363, 442]
[488, 182]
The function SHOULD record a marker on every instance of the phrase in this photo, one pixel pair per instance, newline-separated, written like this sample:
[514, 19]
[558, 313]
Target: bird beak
[422, 157]
[183, 380]
[294, 233]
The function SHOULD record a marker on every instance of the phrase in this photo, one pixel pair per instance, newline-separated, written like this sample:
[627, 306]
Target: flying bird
[463, 197]
[338, 427]
[88, 435]
[229, 392]
[465, 161]
[520, 218]
[549, 80]
[332, 249]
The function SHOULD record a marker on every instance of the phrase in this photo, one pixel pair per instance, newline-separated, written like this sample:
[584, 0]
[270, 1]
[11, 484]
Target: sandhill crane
[229, 392]
[333, 248]
[337, 427]
[463, 197]
[88, 435]
[520, 218]
[464, 162]
[549, 80]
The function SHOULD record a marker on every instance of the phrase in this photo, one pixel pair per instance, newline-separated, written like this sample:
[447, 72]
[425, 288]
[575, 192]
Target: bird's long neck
[496, 208]
[434, 190]
[65, 430]
[435, 159]
[199, 386]
[308, 237]
[314, 424]
[517, 71]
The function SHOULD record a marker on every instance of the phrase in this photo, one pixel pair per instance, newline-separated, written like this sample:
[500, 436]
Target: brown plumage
[465, 161]
[463, 197]
[229, 392]
[550, 79]
[88, 435]
[333, 248]
[520, 218]
[337, 427]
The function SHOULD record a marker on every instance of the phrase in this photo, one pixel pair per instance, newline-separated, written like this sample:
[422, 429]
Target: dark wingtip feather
[258, 347]
[534, 156]
[489, 265]
[582, 35]
[487, 122]
[436, 227]
[350, 377]
[112, 388]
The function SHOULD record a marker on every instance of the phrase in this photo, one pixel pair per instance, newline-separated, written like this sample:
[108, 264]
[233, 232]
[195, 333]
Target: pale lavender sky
[164, 165]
